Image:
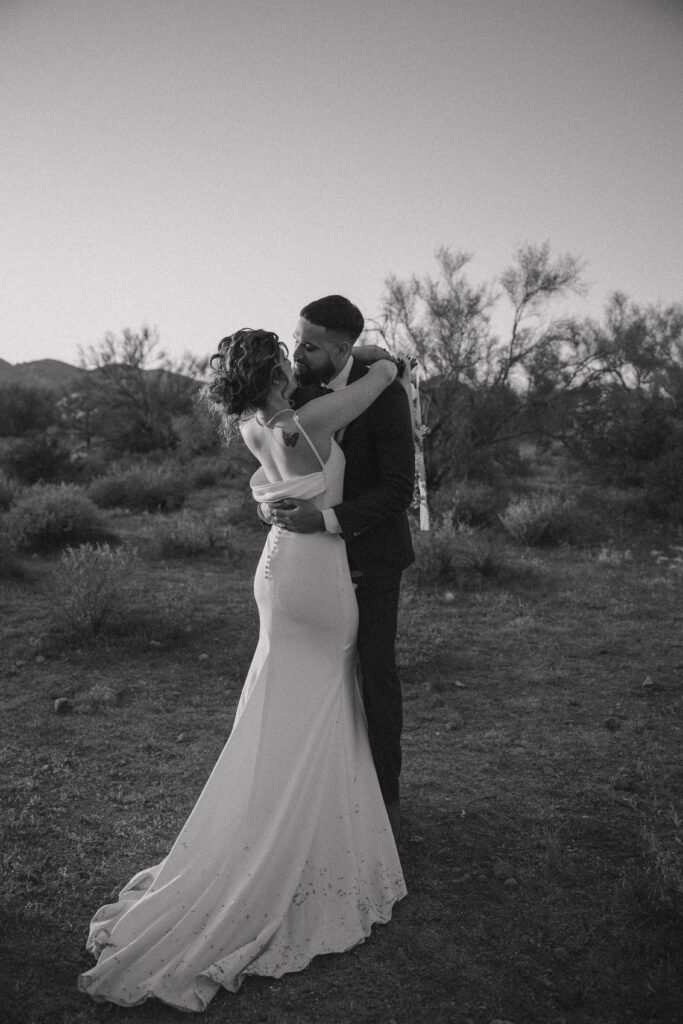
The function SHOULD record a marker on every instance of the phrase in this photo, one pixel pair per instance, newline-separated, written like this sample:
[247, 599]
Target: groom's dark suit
[378, 483]
[378, 489]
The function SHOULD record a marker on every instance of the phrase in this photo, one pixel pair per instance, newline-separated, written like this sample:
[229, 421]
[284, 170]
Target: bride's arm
[330, 412]
[369, 354]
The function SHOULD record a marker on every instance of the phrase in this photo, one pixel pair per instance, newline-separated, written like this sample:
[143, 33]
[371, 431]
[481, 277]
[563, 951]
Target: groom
[372, 518]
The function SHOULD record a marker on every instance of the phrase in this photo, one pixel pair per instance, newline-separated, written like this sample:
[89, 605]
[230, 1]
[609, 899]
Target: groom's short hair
[335, 313]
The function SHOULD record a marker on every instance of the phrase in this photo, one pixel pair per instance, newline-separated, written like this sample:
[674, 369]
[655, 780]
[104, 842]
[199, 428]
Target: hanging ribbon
[410, 379]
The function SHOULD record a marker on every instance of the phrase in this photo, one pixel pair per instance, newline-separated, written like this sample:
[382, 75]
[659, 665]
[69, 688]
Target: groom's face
[318, 354]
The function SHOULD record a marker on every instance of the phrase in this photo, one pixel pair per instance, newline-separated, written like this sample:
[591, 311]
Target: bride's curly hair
[245, 368]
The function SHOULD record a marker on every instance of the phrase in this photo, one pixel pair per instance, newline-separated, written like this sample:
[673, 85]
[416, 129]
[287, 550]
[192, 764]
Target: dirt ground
[541, 788]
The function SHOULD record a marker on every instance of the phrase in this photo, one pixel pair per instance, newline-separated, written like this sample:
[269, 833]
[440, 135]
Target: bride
[288, 852]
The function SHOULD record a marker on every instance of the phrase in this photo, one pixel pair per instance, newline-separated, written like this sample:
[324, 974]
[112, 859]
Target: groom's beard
[304, 376]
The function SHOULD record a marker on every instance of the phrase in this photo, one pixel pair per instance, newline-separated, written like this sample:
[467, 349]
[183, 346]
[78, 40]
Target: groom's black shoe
[394, 814]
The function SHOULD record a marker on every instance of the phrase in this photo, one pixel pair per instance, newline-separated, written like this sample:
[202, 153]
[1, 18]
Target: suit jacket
[378, 482]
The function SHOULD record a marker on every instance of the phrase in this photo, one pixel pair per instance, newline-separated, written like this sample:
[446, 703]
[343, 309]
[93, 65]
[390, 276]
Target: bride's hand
[368, 354]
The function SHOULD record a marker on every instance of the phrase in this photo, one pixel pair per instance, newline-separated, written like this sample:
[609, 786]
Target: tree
[531, 282]
[479, 389]
[444, 321]
[627, 419]
[135, 391]
[40, 457]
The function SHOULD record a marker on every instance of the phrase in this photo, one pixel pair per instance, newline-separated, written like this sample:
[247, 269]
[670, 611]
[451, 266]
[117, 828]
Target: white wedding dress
[288, 852]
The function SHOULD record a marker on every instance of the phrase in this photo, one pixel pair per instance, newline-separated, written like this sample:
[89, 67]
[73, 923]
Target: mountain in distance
[41, 373]
[58, 376]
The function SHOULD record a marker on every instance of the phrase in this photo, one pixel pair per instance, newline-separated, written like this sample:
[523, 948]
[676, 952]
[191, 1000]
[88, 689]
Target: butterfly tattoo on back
[290, 439]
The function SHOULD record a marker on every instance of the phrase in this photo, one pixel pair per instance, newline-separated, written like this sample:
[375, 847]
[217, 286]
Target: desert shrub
[542, 520]
[26, 410]
[6, 493]
[40, 457]
[89, 464]
[10, 564]
[92, 588]
[452, 554]
[100, 592]
[161, 488]
[51, 516]
[196, 432]
[184, 534]
[473, 503]
[209, 470]
[241, 510]
[664, 482]
[233, 462]
[436, 553]
[467, 427]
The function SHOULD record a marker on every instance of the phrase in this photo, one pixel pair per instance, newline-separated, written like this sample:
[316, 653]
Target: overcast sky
[204, 165]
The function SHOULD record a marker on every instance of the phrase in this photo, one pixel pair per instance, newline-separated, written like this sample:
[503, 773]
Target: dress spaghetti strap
[313, 447]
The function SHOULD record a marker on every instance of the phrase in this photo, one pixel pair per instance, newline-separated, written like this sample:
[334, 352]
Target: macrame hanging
[411, 383]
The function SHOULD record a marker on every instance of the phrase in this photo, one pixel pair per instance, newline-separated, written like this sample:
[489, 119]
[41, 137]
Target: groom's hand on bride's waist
[304, 517]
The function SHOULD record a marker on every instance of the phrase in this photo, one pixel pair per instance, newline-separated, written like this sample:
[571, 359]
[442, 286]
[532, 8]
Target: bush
[453, 554]
[184, 534]
[26, 410]
[103, 593]
[10, 566]
[89, 464]
[240, 511]
[232, 463]
[143, 489]
[196, 432]
[542, 520]
[38, 458]
[209, 470]
[664, 483]
[6, 493]
[474, 504]
[92, 588]
[51, 516]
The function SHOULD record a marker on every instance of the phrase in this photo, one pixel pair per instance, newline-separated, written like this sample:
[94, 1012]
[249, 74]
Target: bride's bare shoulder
[252, 432]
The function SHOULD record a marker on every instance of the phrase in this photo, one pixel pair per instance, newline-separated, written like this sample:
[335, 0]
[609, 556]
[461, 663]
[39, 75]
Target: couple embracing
[290, 850]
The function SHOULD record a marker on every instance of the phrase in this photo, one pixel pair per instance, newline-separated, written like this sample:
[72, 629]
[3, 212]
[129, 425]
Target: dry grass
[542, 742]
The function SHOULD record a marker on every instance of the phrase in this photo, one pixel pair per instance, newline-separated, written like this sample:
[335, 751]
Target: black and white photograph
[341, 511]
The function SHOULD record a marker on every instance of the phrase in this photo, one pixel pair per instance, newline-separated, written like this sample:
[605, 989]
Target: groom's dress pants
[377, 598]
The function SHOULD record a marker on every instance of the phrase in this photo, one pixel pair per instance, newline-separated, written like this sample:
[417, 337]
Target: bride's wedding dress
[288, 852]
